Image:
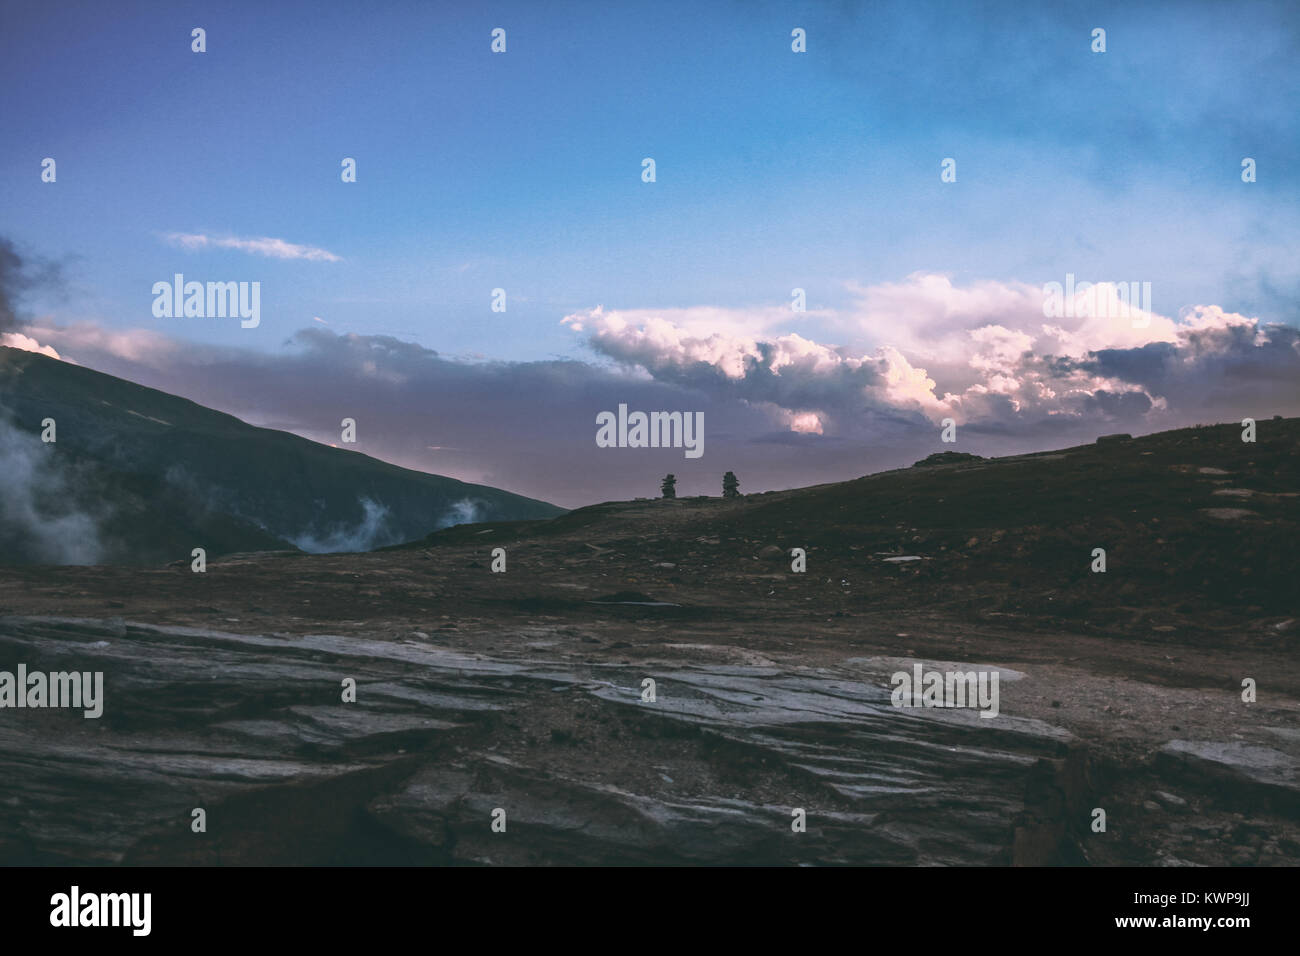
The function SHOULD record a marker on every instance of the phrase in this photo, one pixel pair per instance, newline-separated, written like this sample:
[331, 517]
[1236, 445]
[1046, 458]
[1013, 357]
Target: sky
[774, 170]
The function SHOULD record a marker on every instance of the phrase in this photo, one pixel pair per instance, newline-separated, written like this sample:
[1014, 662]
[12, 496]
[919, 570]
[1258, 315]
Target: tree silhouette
[669, 486]
[730, 485]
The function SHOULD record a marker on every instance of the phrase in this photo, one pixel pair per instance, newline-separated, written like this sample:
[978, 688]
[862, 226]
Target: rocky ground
[522, 691]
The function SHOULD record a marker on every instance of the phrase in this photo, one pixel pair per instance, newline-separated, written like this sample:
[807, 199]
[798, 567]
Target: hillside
[1193, 522]
[141, 477]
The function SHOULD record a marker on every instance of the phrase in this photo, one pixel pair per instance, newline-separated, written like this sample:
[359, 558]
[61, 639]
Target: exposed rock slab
[252, 729]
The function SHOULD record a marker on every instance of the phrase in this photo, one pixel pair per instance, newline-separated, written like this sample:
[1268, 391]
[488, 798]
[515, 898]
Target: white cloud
[16, 340]
[986, 353]
[264, 246]
[806, 423]
[143, 346]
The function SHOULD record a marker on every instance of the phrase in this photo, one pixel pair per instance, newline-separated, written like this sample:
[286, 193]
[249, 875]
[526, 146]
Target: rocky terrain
[522, 691]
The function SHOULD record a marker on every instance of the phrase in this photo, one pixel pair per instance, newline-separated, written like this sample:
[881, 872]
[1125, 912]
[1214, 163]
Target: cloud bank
[985, 356]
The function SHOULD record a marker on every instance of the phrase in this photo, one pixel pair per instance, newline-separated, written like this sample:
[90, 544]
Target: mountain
[137, 476]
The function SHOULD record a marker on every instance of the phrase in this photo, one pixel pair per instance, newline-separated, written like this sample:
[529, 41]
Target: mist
[373, 531]
[37, 523]
[465, 511]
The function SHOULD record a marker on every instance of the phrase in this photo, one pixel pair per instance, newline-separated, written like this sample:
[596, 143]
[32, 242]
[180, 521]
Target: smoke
[17, 275]
[373, 531]
[39, 520]
[11, 268]
[38, 525]
[465, 511]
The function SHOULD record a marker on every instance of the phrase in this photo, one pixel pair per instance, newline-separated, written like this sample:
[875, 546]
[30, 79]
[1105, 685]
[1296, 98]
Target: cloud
[16, 340]
[788, 371]
[144, 346]
[990, 354]
[805, 423]
[796, 375]
[932, 319]
[271, 248]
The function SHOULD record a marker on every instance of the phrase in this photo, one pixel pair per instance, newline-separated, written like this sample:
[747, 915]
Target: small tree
[669, 486]
[730, 485]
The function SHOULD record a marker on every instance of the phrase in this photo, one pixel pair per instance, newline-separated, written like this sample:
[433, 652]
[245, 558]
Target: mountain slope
[138, 476]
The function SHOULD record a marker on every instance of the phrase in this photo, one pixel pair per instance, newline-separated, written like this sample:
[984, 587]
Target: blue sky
[522, 170]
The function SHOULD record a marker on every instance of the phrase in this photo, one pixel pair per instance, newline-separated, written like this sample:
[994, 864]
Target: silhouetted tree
[669, 486]
[730, 485]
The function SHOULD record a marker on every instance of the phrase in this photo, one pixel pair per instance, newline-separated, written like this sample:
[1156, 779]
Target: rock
[1169, 800]
[1230, 514]
[252, 728]
[1245, 775]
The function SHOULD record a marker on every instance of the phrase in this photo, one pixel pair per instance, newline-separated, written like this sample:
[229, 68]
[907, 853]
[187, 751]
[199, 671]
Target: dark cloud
[1248, 371]
[1118, 406]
